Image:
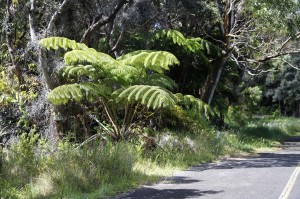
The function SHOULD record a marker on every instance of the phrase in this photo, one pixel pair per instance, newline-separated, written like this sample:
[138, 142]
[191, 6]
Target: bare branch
[56, 15]
[92, 29]
[278, 54]
[290, 64]
[114, 48]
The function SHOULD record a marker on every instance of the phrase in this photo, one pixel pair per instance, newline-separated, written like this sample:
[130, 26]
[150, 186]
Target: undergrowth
[33, 169]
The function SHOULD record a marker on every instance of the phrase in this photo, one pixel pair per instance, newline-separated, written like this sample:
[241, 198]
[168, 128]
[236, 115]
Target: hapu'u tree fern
[132, 80]
[197, 45]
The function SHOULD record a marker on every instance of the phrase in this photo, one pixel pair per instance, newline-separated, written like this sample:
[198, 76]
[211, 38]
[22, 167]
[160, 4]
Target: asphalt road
[266, 176]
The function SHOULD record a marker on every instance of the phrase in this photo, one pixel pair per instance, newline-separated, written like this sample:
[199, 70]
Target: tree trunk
[212, 80]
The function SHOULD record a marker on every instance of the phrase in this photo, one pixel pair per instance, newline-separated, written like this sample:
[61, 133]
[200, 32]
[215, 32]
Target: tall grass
[260, 133]
[67, 171]
[33, 169]
[97, 169]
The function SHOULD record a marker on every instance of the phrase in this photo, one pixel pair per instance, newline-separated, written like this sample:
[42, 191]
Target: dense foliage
[103, 72]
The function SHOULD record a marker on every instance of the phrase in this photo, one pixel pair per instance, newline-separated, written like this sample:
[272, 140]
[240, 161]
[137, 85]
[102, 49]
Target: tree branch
[114, 48]
[92, 29]
[278, 54]
[56, 15]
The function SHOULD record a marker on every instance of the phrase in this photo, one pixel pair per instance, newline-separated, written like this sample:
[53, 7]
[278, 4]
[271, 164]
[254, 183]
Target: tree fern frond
[193, 45]
[194, 106]
[82, 57]
[93, 90]
[61, 42]
[134, 53]
[209, 48]
[151, 96]
[117, 68]
[77, 92]
[176, 36]
[63, 94]
[159, 80]
[152, 60]
[79, 70]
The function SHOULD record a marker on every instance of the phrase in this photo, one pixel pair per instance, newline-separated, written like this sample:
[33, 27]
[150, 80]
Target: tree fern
[194, 106]
[77, 92]
[150, 96]
[82, 57]
[153, 60]
[159, 80]
[63, 94]
[79, 70]
[113, 81]
[176, 36]
[61, 42]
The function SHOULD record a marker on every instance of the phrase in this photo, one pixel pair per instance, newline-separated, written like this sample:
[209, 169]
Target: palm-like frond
[61, 42]
[150, 96]
[159, 80]
[194, 106]
[91, 57]
[153, 60]
[176, 36]
[63, 94]
[79, 70]
[77, 92]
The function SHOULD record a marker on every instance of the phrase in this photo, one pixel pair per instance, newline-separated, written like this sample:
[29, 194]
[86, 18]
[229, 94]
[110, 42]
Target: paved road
[266, 176]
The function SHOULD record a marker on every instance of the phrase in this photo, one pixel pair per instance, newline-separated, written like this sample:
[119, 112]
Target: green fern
[150, 96]
[194, 106]
[79, 70]
[157, 61]
[77, 92]
[191, 45]
[91, 57]
[159, 80]
[61, 42]
[63, 94]
[176, 36]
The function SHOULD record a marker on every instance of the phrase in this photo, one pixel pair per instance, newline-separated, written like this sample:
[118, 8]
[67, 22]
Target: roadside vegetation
[98, 97]
[32, 169]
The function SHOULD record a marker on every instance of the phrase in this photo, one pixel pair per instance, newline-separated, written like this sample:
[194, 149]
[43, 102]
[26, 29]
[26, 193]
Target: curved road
[266, 176]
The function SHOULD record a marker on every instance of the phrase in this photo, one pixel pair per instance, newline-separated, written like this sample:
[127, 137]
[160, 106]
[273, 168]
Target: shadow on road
[262, 161]
[285, 158]
[181, 180]
[151, 193]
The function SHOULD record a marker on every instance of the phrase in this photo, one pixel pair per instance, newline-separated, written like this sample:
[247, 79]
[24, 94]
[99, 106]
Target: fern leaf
[176, 36]
[210, 48]
[193, 45]
[77, 92]
[194, 106]
[124, 71]
[152, 60]
[61, 42]
[94, 90]
[159, 80]
[79, 70]
[151, 96]
[63, 94]
[82, 57]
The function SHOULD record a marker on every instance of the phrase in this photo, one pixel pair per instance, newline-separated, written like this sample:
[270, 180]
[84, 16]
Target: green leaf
[157, 61]
[91, 57]
[77, 92]
[64, 43]
[151, 96]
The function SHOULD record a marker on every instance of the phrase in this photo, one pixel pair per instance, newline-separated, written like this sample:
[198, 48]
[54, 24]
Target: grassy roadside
[31, 170]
